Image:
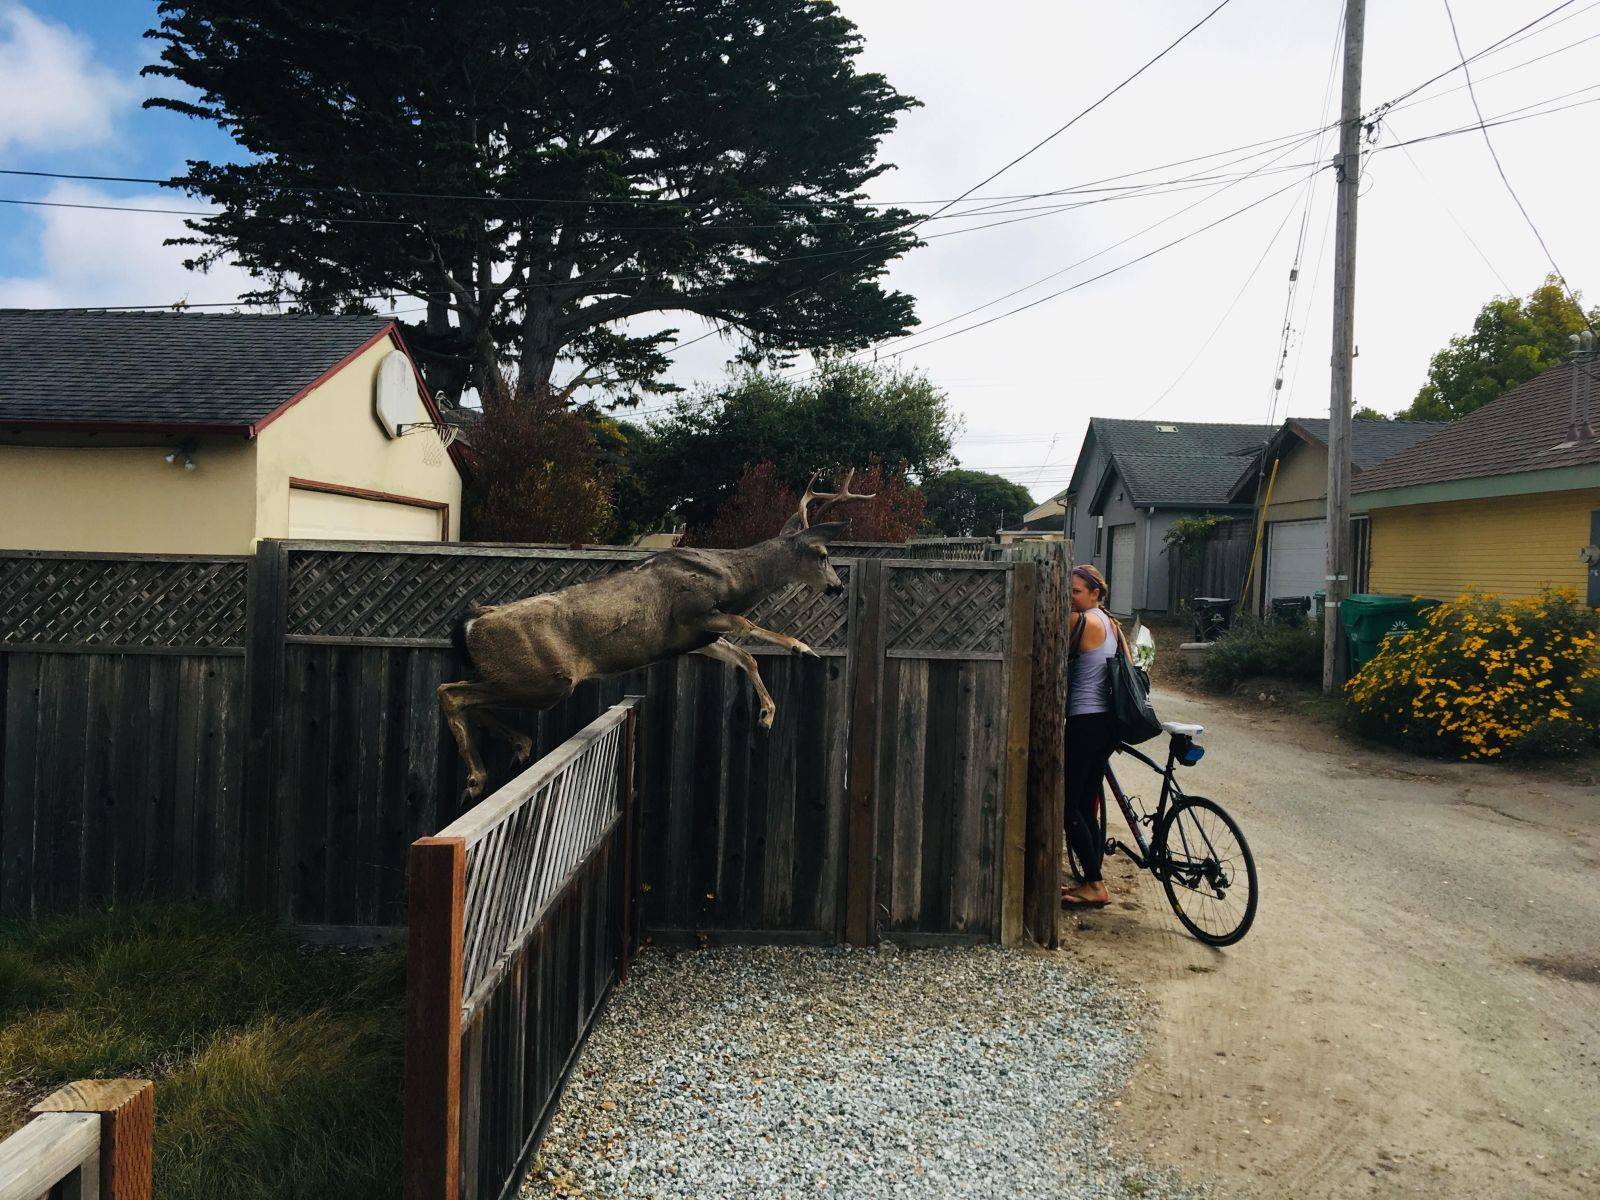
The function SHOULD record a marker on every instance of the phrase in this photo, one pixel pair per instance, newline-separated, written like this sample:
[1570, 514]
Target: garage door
[320, 515]
[1121, 579]
[1297, 554]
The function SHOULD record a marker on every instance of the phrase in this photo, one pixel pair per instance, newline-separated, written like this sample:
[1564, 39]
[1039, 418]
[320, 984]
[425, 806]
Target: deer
[531, 653]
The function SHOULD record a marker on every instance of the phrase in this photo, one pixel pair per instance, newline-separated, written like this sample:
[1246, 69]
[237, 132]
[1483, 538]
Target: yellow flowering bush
[1488, 678]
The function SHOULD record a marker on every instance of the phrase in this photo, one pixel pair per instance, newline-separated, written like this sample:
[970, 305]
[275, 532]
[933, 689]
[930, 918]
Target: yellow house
[183, 433]
[1507, 499]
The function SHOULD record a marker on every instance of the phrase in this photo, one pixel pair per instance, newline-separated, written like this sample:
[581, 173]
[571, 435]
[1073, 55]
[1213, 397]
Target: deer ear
[792, 526]
[822, 534]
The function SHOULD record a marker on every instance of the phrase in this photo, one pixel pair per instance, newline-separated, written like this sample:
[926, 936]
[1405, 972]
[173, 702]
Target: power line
[1449, 212]
[1050, 137]
[1498, 166]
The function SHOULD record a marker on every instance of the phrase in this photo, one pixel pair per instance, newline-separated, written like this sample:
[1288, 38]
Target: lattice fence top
[949, 549]
[951, 612]
[819, 620]
[408, 596]
[137, 602]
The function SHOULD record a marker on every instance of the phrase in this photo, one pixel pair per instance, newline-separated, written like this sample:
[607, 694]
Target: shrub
[762, 501]
[1254, 647]
[1488, 678]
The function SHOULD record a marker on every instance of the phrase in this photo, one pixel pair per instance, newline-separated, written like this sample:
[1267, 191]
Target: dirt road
[1417, 1010]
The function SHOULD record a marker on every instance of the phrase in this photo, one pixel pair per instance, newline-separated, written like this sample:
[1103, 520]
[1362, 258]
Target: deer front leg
[742, 659]
[521, 743]
[725, 623]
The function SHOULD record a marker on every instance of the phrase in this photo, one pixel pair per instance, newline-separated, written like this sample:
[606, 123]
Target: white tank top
[1090, 690]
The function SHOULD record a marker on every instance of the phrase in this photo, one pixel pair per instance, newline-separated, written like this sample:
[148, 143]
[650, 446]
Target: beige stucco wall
[1512, 545]
[332, 436]
[128, 499]
[1300, 491]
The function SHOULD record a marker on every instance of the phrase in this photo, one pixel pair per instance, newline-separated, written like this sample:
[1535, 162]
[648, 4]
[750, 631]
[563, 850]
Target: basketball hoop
[443, 431]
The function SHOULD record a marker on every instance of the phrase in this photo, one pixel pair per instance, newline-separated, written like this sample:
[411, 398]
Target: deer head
[808, 543]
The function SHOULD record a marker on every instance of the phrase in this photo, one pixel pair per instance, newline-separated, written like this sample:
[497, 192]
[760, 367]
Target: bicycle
[1196, 849]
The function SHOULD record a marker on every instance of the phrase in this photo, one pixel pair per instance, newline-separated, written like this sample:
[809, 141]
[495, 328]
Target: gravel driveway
[796, 1072]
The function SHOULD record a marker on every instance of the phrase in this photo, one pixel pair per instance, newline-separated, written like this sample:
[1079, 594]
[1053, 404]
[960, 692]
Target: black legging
[1090, 739]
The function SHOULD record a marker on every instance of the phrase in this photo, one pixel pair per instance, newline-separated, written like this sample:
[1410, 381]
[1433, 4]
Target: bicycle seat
[1180, 729]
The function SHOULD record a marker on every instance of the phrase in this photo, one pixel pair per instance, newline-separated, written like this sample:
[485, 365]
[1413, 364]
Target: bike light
[1191, 754]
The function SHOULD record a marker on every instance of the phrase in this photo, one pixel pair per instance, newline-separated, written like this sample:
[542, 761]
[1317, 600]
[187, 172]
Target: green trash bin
[1368, 619]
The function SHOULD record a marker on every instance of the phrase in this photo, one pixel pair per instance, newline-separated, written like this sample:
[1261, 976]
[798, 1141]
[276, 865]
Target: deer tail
[458, 629]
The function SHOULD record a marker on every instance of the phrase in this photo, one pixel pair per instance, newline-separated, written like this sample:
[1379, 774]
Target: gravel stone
[783, 1072]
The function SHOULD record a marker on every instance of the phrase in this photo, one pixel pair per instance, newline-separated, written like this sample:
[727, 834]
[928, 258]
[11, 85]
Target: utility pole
[1341, 395]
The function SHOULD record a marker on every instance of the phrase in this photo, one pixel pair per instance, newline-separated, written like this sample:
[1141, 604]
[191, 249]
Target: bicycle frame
[1169, 791]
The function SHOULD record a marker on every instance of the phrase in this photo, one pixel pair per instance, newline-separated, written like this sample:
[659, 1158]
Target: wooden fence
[87, 1141]
[519, 927]
[266, 731]
[1216, 569]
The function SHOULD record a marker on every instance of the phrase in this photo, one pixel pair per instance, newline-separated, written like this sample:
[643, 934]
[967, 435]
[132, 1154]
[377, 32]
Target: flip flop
[1080, 902]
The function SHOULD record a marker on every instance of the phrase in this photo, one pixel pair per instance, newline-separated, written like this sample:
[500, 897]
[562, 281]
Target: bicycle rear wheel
[1100, 832]
[1205, 865]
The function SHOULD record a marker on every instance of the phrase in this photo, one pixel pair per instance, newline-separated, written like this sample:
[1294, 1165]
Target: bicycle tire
[1073, 864]
[1197, 856]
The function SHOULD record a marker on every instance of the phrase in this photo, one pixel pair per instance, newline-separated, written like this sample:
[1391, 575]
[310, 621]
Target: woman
[1091, 732]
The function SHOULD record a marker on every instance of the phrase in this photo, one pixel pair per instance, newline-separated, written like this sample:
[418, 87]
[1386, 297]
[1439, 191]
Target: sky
[1191, 333]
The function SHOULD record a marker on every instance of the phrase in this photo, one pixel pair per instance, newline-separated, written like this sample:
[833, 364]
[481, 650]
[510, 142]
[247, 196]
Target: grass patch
[1254, 648]
[277, 1069]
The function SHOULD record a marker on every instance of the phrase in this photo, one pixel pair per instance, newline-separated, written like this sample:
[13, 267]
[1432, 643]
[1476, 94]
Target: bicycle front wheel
[1207, 871]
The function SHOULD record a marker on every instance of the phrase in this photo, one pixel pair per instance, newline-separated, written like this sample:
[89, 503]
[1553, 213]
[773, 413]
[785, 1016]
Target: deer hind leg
[459, 700]
[742, 659]
[725, 623]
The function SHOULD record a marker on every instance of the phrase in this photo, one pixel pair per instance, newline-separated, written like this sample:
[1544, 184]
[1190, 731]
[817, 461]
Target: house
[200, 434]
[1507, 499]
[1294, 545]
[1132, 480]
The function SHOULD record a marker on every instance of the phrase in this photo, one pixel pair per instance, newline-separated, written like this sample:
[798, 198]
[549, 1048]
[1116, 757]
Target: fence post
[127, 1111]
[626, 784]
[1046, 733]
[263, 675]
[861, 844]
[1019, 681]
[431, 1124]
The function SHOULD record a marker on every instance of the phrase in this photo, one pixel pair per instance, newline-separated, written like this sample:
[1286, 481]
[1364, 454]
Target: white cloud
[55, 95]
[95, 257]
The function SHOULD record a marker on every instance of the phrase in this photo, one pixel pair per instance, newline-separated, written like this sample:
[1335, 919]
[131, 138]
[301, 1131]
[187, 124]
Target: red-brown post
[431, 1125]
[127, 1109]
[625, 846]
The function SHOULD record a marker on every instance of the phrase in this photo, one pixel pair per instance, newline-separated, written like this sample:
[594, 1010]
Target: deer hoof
[523, 752]
[765, 720]
[472, 791]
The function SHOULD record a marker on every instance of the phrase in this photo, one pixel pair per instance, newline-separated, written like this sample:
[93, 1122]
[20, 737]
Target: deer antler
[829, 499]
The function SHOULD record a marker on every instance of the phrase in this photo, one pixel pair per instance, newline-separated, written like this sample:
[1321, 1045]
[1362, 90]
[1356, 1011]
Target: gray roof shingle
[1179, 437]
[1181, 478]
[165, 369]
[1524, 430]
[1373, 442]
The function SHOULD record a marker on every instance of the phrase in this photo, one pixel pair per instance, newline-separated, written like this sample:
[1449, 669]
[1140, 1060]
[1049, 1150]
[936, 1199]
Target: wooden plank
[1019, 693]
[46, 1150]
[126, 1110]
[905, 723]
[944, 774]
[131, 818]
[345, 735]
[868, 581]
[1046, 776]
[188, 701]
[431, 1120]
[777, 830]
[810, 879]
[17, 830]
[371, 680]
[156, 784]
[96, 881]
[626, 798]
[472, 1039]
[263, 716]
[60, 812]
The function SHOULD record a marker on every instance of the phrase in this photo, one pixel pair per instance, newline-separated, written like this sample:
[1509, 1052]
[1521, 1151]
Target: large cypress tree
[543, 172]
